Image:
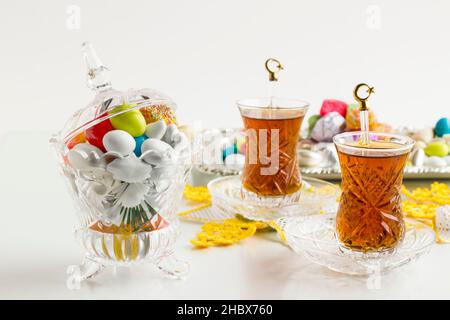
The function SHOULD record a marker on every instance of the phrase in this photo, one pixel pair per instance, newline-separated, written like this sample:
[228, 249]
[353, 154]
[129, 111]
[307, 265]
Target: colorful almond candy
[333, 105]
[120, 142]
[229, 150]
[235, 161]
[436, 162]
[79, 138]
[437, 148]
[327, 127]
[312, 122]
[95, 134]
[157, 152]
[85, 156]
[139, 141]
[447, 160]
[131, 121]
[156, 129]
[442, 127]
[418, 157]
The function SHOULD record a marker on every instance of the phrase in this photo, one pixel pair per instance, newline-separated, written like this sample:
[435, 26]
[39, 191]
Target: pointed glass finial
[98, 76]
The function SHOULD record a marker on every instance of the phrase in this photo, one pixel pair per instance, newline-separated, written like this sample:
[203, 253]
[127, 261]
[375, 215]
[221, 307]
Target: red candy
[331, 105]
[94, 135]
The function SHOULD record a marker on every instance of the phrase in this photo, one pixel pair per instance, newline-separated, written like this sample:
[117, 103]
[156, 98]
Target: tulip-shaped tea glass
[271, 174]
[370, 217]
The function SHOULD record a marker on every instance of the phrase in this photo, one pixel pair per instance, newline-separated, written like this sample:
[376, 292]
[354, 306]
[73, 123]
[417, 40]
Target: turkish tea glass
[271, 173]
[370, 218]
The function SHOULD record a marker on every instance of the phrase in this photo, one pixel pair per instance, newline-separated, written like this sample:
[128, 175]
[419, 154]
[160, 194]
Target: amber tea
[370, 215]
[262, 154]
[272, 129]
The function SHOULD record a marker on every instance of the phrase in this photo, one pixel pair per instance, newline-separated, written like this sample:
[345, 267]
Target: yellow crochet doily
[227, 233]
[222, 233]
[200, 196]
[420, 204]
[197, 194]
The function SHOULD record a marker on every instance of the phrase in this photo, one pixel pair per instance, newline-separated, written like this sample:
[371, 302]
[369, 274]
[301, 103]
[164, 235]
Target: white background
[207, 53]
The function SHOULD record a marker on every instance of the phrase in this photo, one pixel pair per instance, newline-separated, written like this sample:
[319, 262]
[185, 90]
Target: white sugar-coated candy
[156, 129]
[155, 144]
[180, 140]
[418, 158]
[161, 173]
[119, 141]
[77, 160]
[84, 156]
[133, 195]
[235, 161]
[447, 160]
[437, 162]
[171, 131]
[157, 152]
[129, 169]
[159, 158]
[309, 158]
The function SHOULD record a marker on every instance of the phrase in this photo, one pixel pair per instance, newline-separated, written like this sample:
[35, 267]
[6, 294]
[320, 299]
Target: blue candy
[442, 127]
[139, 140]
[229, 150]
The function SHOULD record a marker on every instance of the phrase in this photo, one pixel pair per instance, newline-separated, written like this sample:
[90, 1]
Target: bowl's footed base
[89, 268]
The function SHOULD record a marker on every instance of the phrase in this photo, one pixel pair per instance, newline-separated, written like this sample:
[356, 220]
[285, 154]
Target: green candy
[437, 148]
[312, 121]
[132, 121]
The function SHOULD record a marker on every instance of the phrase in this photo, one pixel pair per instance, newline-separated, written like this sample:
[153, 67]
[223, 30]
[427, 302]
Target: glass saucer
[317, 196]
[314, 237]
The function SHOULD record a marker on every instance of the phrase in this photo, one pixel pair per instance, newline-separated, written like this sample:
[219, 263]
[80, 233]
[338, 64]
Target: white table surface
[36, 219]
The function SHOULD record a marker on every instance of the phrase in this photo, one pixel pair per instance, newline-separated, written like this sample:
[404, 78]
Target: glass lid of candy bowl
[126, 164]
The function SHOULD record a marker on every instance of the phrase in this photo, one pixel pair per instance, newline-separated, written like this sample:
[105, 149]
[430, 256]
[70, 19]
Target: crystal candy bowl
[125, 163]
[314, 237]
[317, 196]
